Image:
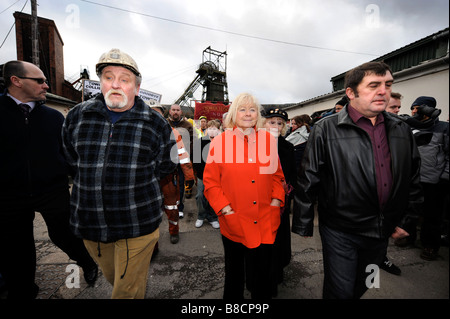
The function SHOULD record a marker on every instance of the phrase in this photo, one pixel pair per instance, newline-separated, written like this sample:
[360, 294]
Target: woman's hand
[227, 210]
[275, 202]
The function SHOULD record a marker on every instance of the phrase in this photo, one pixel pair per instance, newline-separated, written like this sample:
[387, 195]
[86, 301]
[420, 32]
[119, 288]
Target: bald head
[25, 81]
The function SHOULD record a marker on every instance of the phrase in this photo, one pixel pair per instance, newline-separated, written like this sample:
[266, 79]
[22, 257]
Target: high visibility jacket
[183, 157]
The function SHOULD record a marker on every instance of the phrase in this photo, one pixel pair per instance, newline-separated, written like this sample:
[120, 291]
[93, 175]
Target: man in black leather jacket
[363, 165]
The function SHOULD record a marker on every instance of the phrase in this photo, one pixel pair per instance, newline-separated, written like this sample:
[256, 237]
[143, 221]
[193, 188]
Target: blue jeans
[345, 258]
[205, 210]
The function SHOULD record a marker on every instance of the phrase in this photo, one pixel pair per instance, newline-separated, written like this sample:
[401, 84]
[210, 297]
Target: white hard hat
[154, 104]
[117, 57]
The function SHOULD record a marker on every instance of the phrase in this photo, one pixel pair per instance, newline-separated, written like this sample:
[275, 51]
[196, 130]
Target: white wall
[435, 85]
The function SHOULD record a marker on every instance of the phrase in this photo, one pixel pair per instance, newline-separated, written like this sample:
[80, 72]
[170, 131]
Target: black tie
[26, 110]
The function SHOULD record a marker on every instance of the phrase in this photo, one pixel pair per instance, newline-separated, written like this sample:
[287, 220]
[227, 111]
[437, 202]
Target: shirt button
[254, 202]
[255, 222]
[253, 181]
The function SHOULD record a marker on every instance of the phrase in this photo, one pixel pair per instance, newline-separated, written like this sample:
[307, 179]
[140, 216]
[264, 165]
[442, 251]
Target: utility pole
[34, 34]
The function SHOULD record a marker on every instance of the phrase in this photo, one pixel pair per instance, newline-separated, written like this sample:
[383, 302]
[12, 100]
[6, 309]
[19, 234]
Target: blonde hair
[243, 99]
[283, 129]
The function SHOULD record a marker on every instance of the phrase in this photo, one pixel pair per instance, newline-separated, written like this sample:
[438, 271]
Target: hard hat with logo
[119, 58]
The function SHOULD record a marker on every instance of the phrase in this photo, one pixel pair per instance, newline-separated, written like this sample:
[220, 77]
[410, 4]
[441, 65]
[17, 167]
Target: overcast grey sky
[282, 51]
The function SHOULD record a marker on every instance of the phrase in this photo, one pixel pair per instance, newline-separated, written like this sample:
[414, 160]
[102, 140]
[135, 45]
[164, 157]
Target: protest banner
[212, 111]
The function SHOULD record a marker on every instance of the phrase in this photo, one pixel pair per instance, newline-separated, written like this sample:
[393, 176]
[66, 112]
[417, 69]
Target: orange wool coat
[244, 171]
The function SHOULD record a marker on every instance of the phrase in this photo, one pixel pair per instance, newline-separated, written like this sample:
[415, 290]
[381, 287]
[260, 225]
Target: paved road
[193, 269]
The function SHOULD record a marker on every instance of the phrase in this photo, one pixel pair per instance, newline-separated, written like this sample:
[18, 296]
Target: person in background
[395, 103]
[186, 130]
[340, 104]
[170, 184]
[363, 167]
[446, 209]
[196, 128]
[299, 136]
[244, 185]
[336, 109]
[224, 116]
[275, 123]
[204, 208]
[430, 135]
[393, 107]
[433, 173]
[118, 150]
[33, 178]
[203, 125]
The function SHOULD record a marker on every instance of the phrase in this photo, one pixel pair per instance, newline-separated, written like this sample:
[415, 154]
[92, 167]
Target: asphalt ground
[191, 273]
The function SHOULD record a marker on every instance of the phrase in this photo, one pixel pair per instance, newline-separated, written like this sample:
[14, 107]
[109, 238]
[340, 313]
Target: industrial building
[420, 68]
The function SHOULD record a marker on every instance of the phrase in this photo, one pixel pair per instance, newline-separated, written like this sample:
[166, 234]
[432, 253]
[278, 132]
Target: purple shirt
[381, 152]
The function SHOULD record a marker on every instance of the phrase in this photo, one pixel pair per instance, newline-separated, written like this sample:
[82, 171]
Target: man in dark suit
[33, 177]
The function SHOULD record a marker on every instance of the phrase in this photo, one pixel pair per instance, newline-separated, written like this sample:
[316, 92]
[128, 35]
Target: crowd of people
[370, 173]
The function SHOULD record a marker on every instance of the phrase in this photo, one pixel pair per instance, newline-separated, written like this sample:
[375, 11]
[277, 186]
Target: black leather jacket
[338, 169]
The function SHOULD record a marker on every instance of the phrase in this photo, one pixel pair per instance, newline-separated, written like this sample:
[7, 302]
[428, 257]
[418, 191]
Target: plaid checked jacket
[116, 169]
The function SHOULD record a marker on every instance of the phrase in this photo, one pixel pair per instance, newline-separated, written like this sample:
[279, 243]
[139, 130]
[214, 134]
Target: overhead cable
[225, 31]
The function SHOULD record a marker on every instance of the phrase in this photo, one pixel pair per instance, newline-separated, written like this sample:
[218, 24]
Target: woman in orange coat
[244, 185]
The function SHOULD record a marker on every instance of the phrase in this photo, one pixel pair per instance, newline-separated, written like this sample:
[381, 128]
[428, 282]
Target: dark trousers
[345, 258]
[256, 262]
[17, 249]
[181, 183]
[434, 197]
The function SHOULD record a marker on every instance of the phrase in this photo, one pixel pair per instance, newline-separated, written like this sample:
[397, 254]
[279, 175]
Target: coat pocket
[275, 218]
[230, 227]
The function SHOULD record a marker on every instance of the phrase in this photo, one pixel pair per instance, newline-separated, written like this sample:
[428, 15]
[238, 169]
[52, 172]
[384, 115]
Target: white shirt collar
[31, 104]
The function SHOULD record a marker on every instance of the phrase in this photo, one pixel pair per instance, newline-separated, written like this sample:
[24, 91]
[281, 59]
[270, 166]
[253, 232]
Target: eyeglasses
[38, 80]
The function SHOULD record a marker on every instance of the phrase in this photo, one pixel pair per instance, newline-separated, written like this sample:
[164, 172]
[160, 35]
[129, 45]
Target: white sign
[92, 88]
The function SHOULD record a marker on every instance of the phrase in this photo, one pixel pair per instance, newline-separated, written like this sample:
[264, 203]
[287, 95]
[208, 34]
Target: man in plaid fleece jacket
[118, 150]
